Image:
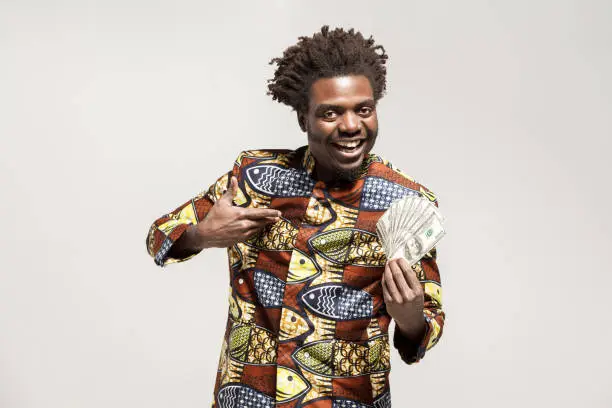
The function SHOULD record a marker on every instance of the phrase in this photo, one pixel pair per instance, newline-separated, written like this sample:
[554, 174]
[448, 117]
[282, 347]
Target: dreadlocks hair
[326, 54]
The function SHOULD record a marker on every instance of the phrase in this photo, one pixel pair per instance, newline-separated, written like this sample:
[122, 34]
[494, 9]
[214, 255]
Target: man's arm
[413, 297]
[223, 226]
[177, 227]
[208, 220]
[413, 344]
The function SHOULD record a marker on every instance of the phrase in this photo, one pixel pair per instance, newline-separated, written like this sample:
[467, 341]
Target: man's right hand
[223, 226]
[227, 224]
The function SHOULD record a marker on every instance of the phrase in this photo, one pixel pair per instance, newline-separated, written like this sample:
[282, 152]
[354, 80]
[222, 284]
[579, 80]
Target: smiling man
[311, 293]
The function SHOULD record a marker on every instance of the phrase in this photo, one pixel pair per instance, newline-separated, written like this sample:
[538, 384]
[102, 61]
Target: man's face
[341, 124]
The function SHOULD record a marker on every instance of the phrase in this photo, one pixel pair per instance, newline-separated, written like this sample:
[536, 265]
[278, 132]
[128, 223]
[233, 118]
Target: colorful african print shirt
[307, 325]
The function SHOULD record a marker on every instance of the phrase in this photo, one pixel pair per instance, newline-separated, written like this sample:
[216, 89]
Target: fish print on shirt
[276, 181]
[338, 302]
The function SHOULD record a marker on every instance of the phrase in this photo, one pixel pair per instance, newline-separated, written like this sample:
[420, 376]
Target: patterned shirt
[307, 324]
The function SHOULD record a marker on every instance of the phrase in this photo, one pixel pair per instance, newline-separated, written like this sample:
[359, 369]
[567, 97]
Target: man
[311, 293]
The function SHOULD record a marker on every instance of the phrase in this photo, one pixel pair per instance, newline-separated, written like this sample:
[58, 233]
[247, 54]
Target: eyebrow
[327, 106]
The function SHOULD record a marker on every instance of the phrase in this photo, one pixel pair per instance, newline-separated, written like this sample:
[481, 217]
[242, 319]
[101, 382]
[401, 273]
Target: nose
[349, 122]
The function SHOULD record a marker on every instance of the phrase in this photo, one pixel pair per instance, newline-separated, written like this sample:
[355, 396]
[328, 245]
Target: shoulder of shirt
[410, 181]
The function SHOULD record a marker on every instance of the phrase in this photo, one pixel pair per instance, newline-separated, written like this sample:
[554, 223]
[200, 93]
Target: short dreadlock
[324, 55]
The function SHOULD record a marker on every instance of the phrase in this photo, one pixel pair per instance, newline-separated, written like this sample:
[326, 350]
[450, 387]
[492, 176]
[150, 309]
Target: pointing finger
[258, 224]
[260, 213]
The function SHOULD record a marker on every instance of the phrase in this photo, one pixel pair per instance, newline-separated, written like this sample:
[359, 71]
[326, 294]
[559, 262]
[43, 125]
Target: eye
[329, 115]
[365, 111]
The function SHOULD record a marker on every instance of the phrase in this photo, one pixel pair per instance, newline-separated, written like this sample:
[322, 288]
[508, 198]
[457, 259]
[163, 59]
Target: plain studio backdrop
[115, 112]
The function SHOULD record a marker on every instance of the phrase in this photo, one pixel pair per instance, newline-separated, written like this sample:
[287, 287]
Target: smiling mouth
[349, 146]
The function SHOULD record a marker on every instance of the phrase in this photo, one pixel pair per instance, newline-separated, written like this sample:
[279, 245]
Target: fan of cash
[410, 228]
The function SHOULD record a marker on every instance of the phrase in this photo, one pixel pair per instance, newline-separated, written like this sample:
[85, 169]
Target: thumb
[229, 195]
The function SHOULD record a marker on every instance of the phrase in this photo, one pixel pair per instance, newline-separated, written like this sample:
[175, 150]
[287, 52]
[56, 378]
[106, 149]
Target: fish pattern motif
[306, 322]
[349, 246]
[276, 181]
[338, 302]
[339, 358]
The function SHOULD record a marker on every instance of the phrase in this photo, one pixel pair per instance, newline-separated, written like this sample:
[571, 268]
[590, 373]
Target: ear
[301, 117]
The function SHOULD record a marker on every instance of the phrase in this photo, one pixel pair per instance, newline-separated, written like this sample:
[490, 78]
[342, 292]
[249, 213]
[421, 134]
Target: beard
[347, 176]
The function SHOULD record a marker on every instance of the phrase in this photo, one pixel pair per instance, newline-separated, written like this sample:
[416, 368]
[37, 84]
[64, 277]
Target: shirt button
[316, 207]
[302, 261]
[241, 281]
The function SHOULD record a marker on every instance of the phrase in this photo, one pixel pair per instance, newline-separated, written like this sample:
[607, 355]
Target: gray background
[114, 112]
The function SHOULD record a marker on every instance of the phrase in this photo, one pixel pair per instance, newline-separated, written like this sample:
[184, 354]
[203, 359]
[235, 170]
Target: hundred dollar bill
[425, 238]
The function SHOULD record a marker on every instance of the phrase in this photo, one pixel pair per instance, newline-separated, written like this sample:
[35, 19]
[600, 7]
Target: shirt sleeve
[433, 315]
[168, 228]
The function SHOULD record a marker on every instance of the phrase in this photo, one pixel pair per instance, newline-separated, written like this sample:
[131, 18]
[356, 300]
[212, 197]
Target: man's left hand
[403, 296]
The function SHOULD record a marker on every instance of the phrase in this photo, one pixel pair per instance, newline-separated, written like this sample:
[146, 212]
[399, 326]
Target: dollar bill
[410, 228]
[424, 239]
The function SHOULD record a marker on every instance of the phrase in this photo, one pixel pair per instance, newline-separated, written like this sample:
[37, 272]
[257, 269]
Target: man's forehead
[341, 90]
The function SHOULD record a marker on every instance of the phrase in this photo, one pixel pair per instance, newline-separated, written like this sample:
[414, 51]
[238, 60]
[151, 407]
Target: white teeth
[349, 145]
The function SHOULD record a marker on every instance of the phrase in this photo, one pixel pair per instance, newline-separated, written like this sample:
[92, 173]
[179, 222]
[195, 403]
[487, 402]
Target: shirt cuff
[161, 257]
